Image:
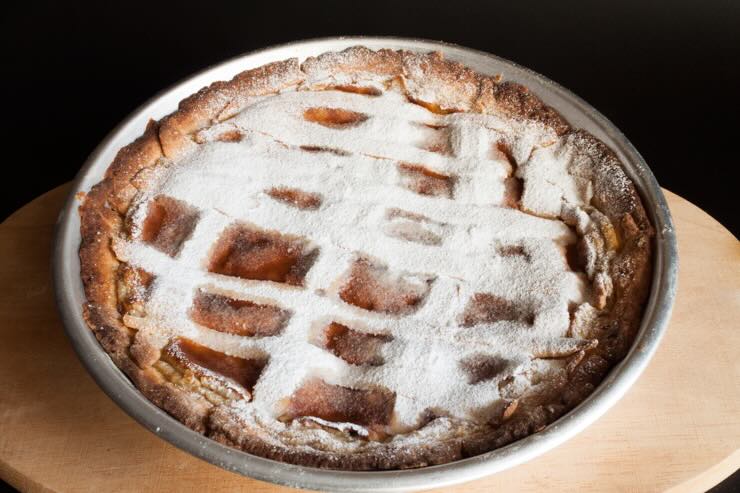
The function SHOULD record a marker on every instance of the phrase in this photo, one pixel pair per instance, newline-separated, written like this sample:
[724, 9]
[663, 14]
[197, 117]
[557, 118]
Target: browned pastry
[368, 260]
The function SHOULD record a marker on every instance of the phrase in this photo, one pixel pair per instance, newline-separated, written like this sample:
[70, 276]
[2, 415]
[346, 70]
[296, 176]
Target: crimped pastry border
[105, 205]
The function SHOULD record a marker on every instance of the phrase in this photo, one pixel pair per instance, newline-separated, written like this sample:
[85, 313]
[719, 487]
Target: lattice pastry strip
[349, 257]
[405, 397]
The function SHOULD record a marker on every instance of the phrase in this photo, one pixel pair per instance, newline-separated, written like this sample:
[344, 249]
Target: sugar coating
[359, 182]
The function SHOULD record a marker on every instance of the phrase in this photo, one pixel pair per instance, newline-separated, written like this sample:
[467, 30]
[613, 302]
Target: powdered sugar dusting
[360, 186]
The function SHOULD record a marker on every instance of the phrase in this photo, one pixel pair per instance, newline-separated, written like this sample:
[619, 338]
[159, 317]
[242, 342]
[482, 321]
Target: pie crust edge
[105, 205]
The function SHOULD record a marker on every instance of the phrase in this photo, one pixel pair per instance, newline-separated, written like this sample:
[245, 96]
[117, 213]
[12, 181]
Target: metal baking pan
[70, 296]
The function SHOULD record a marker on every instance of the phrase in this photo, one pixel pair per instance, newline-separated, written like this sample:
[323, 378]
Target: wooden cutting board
[678, 427]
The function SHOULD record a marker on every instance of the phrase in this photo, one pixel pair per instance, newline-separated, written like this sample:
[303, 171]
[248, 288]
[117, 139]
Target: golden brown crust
[221, 99]
[101, 216]
[356, 60]
[423, 76]
[517, 101]
[228, 428]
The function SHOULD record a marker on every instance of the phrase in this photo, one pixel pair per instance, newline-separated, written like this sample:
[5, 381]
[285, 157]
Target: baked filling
[370, 260]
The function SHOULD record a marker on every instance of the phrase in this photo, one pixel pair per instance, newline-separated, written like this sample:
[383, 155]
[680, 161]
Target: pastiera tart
[368, 260]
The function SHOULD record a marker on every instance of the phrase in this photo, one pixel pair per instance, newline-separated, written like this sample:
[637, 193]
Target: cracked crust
[424, 77]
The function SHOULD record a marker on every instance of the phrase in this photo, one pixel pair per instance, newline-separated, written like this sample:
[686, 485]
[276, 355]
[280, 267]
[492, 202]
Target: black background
[666, 73]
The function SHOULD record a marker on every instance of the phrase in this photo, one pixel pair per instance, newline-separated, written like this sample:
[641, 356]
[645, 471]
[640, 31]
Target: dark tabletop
[666, 73]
